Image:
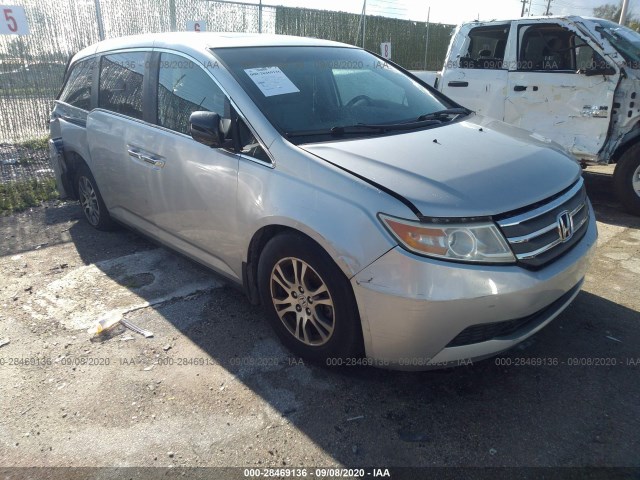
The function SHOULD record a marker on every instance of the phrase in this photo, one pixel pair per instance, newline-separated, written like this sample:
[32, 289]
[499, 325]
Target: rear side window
[184, 88]
[486, 48]
[121, 79]
[77, 90]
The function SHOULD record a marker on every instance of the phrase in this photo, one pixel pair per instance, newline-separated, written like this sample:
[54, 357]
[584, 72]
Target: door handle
[133, 153]
[156, 162]
[519, 88]
[152, 161]
[458, 84]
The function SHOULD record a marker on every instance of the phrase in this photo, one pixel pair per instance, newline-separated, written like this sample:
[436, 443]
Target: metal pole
[99, 20]
[529, 13]
[426, 43]
[623, 14]
[548, 7]
[524, 5]
[172, 15]
[364, 21]
[260, 17]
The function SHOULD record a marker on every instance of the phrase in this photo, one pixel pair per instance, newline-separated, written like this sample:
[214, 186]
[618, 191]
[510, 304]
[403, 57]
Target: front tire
[308, 300]
[93, 207]
[626, 179]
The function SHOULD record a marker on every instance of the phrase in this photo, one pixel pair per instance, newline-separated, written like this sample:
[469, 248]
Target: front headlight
[468, 242]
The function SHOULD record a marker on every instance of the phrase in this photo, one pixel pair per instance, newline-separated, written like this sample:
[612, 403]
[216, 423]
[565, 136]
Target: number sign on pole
[385, 50]
[13, 20]
[196, 26]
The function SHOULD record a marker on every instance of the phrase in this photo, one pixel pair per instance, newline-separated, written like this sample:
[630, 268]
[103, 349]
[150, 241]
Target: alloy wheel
[89, 201]
[302, 301]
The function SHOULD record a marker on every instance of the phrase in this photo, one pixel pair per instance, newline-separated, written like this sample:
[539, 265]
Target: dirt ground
[213, 387]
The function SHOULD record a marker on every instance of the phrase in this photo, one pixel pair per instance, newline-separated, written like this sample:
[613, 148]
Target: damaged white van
[572, 80]
[368, 213]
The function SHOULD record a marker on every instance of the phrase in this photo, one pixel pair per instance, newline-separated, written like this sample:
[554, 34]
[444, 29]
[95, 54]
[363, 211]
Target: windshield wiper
[338, 131]
[382, 128]
[366, 129]
[442, 114]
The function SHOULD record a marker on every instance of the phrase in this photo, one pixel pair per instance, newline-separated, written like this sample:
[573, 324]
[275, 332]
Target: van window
[184, 88]
[77, 90]
[309, 93]
[486, 48]
[121, 79]
[551, 47]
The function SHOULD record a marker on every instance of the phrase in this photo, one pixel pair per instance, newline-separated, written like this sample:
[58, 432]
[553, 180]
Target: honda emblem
[565, 226]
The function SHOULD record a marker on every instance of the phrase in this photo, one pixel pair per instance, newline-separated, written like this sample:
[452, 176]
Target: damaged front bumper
[419, 313]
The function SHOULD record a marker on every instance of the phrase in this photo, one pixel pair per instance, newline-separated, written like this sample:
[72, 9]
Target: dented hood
[476, 167]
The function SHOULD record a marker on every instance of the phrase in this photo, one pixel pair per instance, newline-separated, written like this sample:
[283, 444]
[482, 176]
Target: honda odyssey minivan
[371, 216]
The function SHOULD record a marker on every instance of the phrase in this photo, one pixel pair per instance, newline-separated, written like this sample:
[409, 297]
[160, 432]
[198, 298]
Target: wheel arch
[73, 161]
[630, 139]
[259, 241]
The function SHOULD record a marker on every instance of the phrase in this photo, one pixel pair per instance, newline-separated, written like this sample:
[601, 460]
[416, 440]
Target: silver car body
[210, 204]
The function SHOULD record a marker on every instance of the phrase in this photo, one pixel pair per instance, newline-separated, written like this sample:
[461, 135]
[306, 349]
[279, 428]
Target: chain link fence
[408, 38]
[32, 67]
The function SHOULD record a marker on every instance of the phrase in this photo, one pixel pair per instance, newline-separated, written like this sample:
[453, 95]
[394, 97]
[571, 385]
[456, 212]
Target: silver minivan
[371, 216]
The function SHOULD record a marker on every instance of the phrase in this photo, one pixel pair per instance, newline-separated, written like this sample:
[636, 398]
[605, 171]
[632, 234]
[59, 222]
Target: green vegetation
[612, 11]
[40, 143]
[18, 196]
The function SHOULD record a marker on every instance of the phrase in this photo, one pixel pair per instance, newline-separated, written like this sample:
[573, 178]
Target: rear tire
[626, 179]
[93, 207]
[308, 300]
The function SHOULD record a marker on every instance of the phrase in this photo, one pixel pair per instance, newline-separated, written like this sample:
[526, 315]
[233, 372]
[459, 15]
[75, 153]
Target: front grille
[535, 236]
[499, 330]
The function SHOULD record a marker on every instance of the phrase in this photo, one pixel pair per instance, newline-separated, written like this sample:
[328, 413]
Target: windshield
[623, 39]
[331, 91]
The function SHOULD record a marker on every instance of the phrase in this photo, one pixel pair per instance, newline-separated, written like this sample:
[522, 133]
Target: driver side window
[184, 88]
[553, 48]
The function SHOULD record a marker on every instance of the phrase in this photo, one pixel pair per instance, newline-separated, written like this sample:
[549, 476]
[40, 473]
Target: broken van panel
[572, 80]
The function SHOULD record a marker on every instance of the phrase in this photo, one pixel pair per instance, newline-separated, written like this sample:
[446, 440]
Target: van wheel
[626, 179]
[309, 301]
[91, 201]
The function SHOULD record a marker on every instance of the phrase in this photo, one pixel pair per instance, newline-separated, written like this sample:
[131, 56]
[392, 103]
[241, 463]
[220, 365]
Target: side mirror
[207, 128]
[591, 72]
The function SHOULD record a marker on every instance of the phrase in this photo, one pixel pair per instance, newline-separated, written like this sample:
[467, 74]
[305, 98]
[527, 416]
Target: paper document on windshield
[271, 81]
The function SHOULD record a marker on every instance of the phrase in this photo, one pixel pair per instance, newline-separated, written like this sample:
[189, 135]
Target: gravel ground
[19, 162]
[214, 388]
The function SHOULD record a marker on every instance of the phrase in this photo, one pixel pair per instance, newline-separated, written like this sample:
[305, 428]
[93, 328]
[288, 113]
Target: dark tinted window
[77, 90]
[184, 88]
[121, 78]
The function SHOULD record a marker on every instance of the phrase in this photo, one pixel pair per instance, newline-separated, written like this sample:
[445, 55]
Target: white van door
[476, 77]
[561, 87]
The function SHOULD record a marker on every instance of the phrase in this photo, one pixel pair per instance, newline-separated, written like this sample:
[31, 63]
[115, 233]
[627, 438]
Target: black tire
[627, 170]
[93, 207]
[306, 311]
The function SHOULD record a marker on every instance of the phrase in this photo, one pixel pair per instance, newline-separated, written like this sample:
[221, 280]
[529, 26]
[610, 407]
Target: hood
[477, 167]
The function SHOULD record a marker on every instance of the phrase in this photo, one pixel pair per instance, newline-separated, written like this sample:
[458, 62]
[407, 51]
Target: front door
[193, 187]
[554, 91]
